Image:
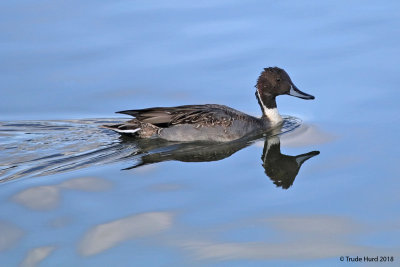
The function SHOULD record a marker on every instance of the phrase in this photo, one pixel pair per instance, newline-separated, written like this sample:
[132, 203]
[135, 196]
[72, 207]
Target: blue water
[74, 194]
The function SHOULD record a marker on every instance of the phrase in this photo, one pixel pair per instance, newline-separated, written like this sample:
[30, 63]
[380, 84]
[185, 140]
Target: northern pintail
[212, 122]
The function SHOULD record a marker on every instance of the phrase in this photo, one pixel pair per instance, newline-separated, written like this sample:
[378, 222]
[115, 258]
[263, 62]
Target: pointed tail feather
[133, 112]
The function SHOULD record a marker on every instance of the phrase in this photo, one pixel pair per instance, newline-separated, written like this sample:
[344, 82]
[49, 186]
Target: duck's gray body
[188, 132]
[237, 125]
[212, 122]
[209, 122]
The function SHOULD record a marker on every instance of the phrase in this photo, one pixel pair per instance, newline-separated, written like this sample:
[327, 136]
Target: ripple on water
[37, 148]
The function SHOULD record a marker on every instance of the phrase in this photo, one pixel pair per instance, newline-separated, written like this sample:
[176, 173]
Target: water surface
[75, 194]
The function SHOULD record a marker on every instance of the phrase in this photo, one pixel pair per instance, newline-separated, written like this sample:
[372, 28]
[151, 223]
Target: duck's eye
[278, 79]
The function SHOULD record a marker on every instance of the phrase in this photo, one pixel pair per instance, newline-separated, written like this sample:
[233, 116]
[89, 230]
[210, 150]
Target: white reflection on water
[108, 235]
[36, 255]
[304, 135]
[47, 197]
[313, 249]
[301, 238]
[39, 197]
[9, 235]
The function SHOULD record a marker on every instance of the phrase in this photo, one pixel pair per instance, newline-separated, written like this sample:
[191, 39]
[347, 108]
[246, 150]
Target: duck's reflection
[281, 169]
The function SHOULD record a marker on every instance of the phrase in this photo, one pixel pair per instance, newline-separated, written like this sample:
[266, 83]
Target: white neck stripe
[271, 113]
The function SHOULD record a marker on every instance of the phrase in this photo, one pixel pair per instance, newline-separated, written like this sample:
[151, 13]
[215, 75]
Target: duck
[212, 122]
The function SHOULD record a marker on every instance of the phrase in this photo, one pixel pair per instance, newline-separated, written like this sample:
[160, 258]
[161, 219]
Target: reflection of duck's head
[282, 169]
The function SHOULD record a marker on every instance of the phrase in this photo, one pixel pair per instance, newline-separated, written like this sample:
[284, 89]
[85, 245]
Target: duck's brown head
[274, 81]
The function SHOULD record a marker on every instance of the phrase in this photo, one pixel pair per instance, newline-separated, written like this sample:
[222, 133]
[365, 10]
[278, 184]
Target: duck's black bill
[297, 93]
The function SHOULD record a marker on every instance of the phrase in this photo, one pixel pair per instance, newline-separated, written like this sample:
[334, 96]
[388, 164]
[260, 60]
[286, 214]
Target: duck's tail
[134, 127]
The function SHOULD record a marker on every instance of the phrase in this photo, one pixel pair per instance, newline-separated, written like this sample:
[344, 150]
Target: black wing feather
[189, 114]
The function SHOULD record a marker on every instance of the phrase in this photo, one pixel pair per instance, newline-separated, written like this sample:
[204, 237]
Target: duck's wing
[210, 114]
